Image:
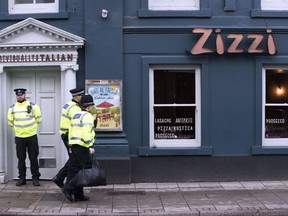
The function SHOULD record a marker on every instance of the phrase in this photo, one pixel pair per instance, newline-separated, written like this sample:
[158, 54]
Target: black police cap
[86, 100]
[20, 91]
[77, 91]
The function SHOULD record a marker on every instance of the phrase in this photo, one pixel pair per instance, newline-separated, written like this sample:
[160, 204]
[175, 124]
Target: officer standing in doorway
[68, 110]
[24, 117]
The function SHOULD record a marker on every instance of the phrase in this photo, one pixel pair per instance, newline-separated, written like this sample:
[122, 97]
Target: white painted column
[3, 126]
[68, 82]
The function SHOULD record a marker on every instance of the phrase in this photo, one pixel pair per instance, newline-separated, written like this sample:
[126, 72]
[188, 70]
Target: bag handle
[94, 161]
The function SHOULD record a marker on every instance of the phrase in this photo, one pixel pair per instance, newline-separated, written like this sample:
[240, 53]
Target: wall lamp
[104, 13]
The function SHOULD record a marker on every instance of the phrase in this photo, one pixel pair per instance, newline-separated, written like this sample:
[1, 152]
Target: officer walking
[24, 117]
[81, 140]
[68, 111]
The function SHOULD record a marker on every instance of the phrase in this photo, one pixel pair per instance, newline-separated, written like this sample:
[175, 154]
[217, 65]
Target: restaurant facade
[184, 90]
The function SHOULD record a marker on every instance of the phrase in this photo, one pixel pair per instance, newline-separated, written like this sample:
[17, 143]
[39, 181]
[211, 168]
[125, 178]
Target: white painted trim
[171, 143]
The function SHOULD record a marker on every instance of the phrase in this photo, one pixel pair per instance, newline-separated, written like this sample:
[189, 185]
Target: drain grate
[116, 193]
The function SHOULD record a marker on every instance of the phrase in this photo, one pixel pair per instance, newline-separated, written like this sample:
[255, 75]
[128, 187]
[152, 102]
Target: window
[174, 5]
[274, 5]
[172, 8]
[275, 115]
[270, 8]
[174, 107]
[30, 6]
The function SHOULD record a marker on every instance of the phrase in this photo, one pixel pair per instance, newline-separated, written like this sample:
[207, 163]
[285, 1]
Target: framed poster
[107, 95]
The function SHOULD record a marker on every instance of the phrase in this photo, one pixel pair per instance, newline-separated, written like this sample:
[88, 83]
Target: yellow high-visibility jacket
[24, 118]
[81, 131]
[68, 111]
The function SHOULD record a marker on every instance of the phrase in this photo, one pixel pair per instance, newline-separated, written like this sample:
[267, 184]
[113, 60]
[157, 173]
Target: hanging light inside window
[279, 90]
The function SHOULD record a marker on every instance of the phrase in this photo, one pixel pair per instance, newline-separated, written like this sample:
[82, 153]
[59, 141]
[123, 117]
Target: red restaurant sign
[221, 45]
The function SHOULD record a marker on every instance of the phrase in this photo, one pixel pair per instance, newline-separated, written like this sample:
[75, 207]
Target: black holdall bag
[94, 176]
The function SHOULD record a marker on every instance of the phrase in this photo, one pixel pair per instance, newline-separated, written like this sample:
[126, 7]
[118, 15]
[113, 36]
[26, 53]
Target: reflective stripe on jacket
[24, 121]
[68, 111]
[81, 131]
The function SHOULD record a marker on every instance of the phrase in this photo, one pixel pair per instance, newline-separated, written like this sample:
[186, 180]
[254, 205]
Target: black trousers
[63, 172]
[30, 145]
[79, 158]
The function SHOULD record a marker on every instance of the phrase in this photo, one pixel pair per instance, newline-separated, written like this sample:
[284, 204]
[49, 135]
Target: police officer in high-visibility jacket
[81, 140]
[24, 117]
[68, 111]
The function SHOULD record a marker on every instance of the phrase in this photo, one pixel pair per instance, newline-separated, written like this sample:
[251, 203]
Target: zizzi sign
[232, 43]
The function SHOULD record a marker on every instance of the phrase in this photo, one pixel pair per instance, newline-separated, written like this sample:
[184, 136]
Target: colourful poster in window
[107, 95]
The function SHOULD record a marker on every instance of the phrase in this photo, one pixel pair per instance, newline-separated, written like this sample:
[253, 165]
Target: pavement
[261, 198]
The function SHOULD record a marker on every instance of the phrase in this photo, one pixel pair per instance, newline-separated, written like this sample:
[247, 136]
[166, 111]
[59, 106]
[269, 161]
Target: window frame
[258, 148]
[147, 61]
[257, 12]
[271, 142]
[27, 8]
[204, 11]
[171, 143]
[61, 14]
[170, 8]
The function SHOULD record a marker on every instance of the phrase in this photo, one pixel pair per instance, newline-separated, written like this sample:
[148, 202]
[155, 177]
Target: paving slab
[259, 198]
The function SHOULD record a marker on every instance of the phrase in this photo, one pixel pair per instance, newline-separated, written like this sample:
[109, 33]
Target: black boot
[21, 182]
[36, 182]
[57, 181]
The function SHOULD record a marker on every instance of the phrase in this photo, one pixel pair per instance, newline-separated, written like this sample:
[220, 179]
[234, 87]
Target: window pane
[174, 123]
[276, 86]
[45, 1]
[174, 5]
[23, 1]
[171, 86]
[276, 125]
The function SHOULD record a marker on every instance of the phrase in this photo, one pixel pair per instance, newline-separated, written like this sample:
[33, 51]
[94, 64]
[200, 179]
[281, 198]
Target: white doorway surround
[37, 45]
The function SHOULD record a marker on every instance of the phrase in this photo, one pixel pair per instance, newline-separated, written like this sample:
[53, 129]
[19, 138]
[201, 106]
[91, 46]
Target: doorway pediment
[32, 33]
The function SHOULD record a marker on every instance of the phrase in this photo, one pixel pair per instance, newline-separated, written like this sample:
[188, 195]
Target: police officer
[24, 117]
[81, 140]
[68, 110]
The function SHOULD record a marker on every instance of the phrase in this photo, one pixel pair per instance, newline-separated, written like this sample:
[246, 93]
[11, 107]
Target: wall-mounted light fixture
[104, 13]
[279, 90]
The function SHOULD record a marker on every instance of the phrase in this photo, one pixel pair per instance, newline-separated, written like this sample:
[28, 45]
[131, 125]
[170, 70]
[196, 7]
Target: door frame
[68, 81]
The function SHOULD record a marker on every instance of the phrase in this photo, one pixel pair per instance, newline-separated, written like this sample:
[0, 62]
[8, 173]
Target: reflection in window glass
[45, 1]
[23, 1]
[174, 87]
[174, 104]
[276, 109]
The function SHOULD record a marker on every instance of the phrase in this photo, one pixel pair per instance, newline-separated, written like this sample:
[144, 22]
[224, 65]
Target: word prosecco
[234, 47]
[36, 58]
